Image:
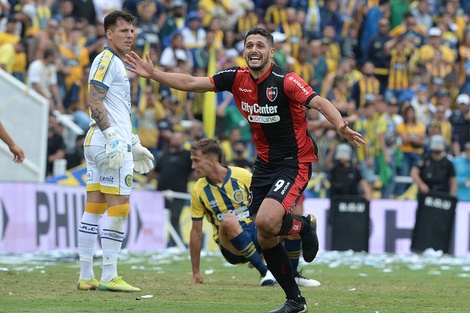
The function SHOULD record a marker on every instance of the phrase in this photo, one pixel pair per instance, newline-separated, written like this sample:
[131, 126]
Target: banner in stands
[43, 217]
[392, 223]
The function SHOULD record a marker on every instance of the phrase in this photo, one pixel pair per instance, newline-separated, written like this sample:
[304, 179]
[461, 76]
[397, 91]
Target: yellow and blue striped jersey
[215, 201]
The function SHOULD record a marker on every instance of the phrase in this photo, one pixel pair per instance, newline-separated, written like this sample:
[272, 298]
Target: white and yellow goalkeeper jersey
[109, 72]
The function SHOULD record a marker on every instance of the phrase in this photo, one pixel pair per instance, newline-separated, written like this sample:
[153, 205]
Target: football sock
[112, 236]
[293, 247]
[87, 235]
[246, 247]
[280, 266]
[292, 224]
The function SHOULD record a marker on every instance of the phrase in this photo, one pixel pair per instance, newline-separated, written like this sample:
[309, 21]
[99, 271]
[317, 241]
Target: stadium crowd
[398, 71]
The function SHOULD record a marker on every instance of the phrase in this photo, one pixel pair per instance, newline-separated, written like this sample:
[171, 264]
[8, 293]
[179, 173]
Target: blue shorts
[252, 232]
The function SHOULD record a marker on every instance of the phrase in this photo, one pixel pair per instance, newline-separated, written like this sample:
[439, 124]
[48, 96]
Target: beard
[256, 68]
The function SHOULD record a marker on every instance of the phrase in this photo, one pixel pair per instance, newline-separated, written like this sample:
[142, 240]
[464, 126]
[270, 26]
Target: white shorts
[103, 179]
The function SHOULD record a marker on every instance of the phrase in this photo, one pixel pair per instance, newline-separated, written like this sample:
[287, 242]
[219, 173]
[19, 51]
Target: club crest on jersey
[271, 93]
[238, 196]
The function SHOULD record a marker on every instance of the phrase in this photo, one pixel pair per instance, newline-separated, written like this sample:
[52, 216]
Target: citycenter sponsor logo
[257, 113]
[299, 84]
[258, 109]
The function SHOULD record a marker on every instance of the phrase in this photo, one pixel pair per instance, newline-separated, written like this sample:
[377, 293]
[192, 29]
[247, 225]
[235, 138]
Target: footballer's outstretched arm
[173, 80]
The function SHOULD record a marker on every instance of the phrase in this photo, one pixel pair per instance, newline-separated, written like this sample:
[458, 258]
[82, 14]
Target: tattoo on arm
[98, 110]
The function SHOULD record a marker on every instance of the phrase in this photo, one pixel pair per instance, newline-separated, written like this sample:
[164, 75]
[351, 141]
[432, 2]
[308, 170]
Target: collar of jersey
[229, 173]
[262, 78]
[114, 52]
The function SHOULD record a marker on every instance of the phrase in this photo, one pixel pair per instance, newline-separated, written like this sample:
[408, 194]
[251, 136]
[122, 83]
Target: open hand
[139, 66]
[350, 134]
[18, 153]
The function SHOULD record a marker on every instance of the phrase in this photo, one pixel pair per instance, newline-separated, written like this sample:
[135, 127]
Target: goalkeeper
[112, 153]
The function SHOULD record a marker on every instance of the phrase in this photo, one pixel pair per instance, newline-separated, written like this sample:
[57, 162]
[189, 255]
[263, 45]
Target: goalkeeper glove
[114, 149]
[143, 159]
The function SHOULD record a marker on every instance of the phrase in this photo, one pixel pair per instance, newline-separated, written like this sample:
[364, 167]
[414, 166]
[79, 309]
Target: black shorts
[282, 183]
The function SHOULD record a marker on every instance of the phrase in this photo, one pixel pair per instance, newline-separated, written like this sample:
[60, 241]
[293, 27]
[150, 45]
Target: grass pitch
[350, 283]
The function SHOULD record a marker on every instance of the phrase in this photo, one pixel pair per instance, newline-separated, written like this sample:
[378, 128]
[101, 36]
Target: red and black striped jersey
[274, 105]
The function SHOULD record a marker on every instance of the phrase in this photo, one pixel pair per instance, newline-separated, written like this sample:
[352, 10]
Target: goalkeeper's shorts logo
[128, 180]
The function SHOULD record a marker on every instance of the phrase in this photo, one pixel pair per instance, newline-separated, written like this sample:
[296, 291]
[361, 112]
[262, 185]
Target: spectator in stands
[320, 67]
[147, 26]
[460, 122]
[246, 22]
[55, 144]
[377, 16]
[428, 51]
[276, 14]
[241, 154]
[85, 9]
[45, 39]
[422, 14]
[344, 70]
[312, 20]
[366, 156]
[462, 171]
[330, 16]
[76, 157]
[174, 53]
[282, 56]
[423, 108]
[76, 57]
[95, 39]
[331, 47]
[221, 9]
[293, 31]
[194, 35]
[445, 126]
[173, 171]
[339, 95]
[42, 77]
[18, 153]
[409, 28]
[150, 112]
[367, 88]
[463, 68]
[175, 20]
[400, 50]
[398, 10]
[375, 51]
[387, 145]
[412, 135]
[8, 54]
[302, 66]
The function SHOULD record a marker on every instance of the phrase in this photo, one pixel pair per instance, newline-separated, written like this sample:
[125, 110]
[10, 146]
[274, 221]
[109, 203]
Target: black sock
[280, 266]
[293, 224]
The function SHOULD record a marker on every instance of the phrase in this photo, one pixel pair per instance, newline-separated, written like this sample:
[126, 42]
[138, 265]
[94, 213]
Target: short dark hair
[48, 53]
[263, 32]
[111, 19]
[208, 146]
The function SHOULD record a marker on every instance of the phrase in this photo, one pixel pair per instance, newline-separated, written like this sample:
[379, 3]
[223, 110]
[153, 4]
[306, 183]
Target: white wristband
[110, 134]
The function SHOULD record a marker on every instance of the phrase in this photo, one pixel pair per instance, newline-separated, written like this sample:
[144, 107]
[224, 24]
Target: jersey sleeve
[105, 72]
[223, 80]
[197, 207]
[297, 89]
